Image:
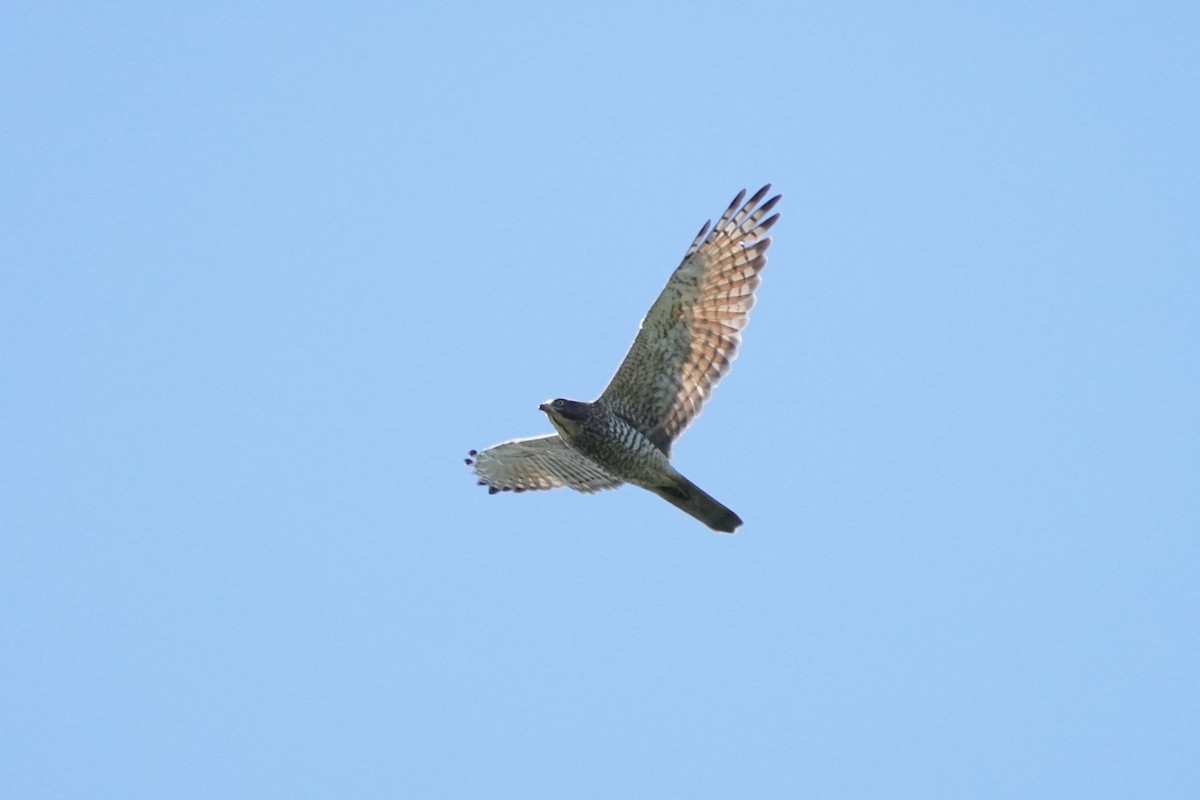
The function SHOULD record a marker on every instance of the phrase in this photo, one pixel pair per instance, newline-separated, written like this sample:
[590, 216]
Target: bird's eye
[557, 403]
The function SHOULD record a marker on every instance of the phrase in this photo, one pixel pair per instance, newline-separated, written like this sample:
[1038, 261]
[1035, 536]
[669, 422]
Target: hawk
[682, 350]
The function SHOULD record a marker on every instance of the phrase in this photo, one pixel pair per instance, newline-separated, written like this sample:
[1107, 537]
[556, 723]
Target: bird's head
[566, 415]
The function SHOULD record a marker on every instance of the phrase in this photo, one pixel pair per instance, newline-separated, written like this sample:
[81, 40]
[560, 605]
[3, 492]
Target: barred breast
[619, 447]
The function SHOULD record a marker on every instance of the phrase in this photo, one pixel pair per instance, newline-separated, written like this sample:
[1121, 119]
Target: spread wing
[539, 462]
[692, 332]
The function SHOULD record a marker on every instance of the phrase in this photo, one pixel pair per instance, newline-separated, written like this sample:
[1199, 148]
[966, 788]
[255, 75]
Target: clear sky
[269, 270]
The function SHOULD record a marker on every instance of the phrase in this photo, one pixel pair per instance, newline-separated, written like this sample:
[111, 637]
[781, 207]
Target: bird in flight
[682, 350]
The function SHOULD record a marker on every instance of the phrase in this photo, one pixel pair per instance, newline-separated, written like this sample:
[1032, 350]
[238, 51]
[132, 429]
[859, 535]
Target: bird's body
[610, 440]
[683, 348]
[625, 452]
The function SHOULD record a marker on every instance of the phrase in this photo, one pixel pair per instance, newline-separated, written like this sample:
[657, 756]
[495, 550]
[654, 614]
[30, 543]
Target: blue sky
[270, 271]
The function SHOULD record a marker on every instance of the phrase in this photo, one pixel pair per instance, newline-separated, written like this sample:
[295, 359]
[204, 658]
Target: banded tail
[687, 496]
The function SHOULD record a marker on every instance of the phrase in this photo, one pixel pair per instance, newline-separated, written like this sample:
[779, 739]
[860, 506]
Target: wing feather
[691, 334]
[538, 462]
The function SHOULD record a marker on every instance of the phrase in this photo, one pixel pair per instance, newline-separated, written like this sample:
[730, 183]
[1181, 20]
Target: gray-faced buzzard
[684, 347]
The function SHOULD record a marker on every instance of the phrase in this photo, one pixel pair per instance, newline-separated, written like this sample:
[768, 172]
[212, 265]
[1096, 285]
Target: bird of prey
[682, 350]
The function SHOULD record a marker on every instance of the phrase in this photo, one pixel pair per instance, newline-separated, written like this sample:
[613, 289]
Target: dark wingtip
[472, 453]
[493, 490]
[468, 461]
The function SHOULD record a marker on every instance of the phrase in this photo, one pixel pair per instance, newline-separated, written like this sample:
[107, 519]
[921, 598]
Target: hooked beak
[544, 407]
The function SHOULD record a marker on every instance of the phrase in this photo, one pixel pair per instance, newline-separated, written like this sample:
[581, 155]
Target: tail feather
[687, 496]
